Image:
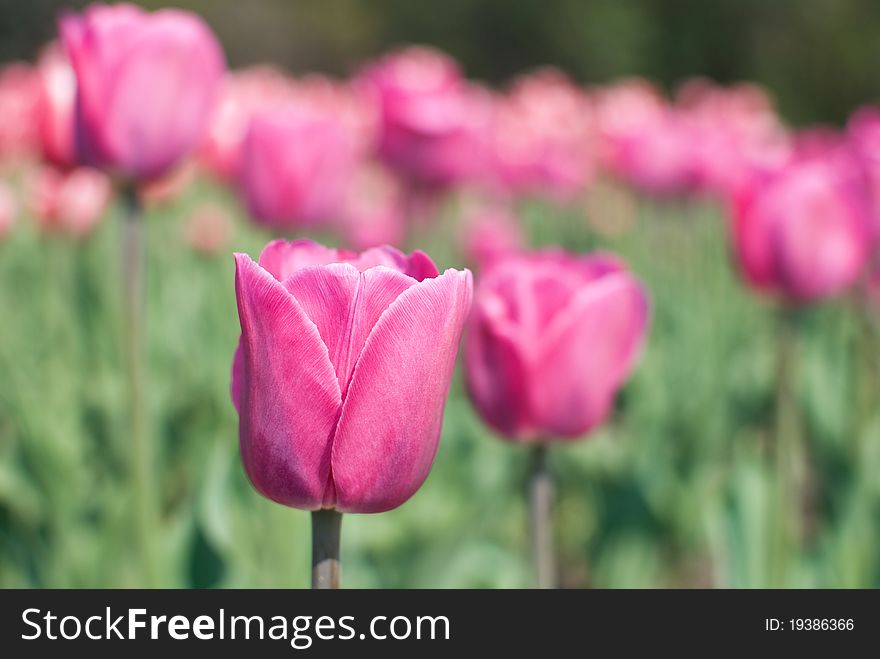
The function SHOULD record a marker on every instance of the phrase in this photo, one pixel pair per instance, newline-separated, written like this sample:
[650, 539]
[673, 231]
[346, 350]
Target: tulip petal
[496, 376]
[345, 304]
[282, 257]
[289, 396]
[588, 351]
[390, 425]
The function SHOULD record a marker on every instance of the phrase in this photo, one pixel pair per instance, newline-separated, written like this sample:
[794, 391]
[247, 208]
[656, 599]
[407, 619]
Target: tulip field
[540, 334]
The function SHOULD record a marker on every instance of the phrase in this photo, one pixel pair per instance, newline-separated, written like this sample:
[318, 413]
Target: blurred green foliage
[819, 57]
[675, 492]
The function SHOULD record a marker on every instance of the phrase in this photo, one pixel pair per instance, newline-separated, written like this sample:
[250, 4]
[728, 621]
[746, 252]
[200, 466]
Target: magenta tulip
[551, 339]
[804, 232]
[146, 86]
[342, 372]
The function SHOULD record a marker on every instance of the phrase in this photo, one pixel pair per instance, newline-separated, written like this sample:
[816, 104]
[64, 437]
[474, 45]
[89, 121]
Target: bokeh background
[675, 491]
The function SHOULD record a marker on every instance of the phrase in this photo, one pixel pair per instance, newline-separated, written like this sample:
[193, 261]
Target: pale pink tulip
[342, 372]
[551, 339]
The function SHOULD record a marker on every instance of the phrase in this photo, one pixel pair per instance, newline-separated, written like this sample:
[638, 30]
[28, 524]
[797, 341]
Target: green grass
[677, 490]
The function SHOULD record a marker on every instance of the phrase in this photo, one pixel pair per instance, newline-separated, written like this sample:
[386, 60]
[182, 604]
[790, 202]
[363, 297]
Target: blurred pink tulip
[70, 203]
[432, 124]
[735, 133]
[146, 86]
[804, 232]
[295, 167]
[342, 372]
[543, 137]
[55, 107]
[643, 141]
[208, 230]
[551, 339]
[8, 210]
[18, 98]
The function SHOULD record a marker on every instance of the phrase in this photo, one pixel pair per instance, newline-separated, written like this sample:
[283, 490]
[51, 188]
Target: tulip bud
[342, 372]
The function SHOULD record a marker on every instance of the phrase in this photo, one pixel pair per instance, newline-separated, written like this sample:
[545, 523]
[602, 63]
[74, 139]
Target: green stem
[326, 530]
[787, 452]
[540, 516]
[141, 454]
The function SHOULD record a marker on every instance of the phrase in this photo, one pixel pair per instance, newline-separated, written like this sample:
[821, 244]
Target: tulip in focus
[342, 372]
[341, 377]
[804, 232]
[68, 203]
[146, 86]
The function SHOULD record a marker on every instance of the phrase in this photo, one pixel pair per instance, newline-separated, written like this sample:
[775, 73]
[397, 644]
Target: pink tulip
[643, 141]
[146, 86]
[804, 232]
[70, 203]
[432, 123]
[8, 210]
[18, 98]
[55, 107]
[543, 137]
[735, 132]
[551, 339]
[342, 372]
[245, 93]
[295, 167]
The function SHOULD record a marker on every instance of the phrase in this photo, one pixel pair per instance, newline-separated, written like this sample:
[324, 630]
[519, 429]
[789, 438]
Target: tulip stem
[540, 516]
[141, 455]
[786, 452]
[326, 527]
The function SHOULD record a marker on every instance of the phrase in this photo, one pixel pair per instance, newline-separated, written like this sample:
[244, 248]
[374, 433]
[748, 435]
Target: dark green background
[821, 58]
